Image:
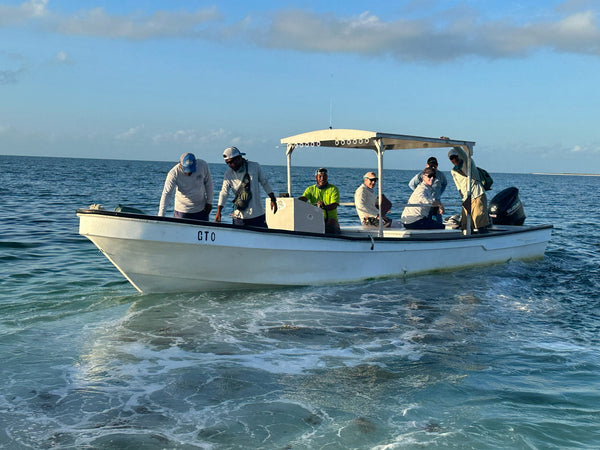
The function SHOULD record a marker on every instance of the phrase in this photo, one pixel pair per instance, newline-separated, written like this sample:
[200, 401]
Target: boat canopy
[371, 140]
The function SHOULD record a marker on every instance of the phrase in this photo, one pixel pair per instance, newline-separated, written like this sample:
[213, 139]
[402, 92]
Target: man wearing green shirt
[327, 197]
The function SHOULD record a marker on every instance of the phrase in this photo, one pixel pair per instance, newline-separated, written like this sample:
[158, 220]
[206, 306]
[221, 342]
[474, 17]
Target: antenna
[331, 109]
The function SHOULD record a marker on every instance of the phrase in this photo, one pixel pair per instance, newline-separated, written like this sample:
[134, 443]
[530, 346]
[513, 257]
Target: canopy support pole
[379, 150]
[288, 154]
[469, 151]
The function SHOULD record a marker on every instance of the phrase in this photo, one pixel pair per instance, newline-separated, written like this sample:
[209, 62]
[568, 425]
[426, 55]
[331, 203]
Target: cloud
[430, 39]
[10, 76]
[129, 134]
[160, 24]
[12, 68]
[14, 15]
[591, 149]
[190, 137]
[61, 57]
[435, 35]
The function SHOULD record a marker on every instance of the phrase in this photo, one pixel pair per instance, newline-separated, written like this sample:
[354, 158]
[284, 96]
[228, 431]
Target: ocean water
[506, 356]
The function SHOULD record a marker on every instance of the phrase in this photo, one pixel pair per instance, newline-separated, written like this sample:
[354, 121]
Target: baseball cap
[231, 152]
[188, 163]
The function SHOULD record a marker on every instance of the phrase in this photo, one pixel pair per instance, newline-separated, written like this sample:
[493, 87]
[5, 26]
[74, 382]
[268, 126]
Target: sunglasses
[372, 179]
[430, 176]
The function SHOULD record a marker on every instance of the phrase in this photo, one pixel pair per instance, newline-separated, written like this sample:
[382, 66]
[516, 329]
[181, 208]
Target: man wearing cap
[420, 214]
[366, 203]
[439, 184]
[476, 204]
[244, 177]
[191, 183]
[327, 197]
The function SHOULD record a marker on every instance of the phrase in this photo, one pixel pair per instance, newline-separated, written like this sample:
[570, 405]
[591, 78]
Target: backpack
[486, 179]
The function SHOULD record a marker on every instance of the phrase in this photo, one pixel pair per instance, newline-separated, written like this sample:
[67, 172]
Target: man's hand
[218, 214]
[273, 203]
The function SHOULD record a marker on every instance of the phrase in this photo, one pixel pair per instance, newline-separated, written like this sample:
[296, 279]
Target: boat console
[295, 215]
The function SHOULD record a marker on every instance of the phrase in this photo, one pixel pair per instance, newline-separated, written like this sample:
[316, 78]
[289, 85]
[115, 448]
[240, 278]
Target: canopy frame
[379, 143]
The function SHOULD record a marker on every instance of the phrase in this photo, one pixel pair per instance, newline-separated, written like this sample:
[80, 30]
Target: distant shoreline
[569, 174]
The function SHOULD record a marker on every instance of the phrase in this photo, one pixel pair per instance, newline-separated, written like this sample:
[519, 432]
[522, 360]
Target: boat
[167, 254]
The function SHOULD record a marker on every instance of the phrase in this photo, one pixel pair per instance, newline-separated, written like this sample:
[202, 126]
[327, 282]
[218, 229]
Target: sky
[152, 79]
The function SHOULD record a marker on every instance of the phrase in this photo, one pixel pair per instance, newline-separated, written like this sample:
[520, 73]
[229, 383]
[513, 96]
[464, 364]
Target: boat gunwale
[368, 237]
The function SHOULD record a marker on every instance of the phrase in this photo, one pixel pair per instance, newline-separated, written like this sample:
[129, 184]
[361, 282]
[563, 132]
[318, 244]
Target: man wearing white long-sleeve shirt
[244, 175]
[191, 183]
[366, 203]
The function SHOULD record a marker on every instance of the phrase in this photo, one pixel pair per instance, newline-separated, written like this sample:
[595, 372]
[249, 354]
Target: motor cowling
[506, 208]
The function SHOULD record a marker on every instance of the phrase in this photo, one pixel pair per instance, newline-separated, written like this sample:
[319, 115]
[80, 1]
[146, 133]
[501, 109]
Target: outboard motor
[506, 208]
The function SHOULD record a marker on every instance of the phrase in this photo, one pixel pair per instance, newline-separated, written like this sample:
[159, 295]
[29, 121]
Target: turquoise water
[500, 357]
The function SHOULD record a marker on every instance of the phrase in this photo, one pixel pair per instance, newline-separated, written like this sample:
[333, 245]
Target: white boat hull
[172, 255]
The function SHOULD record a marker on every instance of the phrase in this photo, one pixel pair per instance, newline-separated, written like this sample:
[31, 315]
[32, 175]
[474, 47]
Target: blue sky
[150, 80]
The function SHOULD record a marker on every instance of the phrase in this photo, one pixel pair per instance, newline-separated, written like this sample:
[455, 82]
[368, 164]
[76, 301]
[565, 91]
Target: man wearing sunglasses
[242, 178]
[365, 202]
[439, 183]
[420, 213]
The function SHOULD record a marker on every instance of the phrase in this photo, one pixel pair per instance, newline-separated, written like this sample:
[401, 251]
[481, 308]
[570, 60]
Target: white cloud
[590, 149]
[436, 36]
[97, 22]
[429, 39]
[190, 137]
[18, 14]
[129, 134]
[62, 56]
[36, 8]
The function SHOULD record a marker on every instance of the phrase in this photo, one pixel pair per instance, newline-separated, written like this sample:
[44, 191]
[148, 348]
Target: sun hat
[188, 163]
[231, 152]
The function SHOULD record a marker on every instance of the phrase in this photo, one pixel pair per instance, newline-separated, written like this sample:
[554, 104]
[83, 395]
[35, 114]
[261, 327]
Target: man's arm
[167, 194]
[414, 182]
